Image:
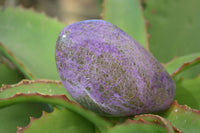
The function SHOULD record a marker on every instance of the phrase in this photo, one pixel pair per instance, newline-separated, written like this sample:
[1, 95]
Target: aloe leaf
[188, 91]
[157, 120]
[18, 115]
[185, 66]
[137, 126]
[173, 27]
[128, 16]
[8, 73]
[57, 122]
[183, 117]
[60, 99]
[30, 39]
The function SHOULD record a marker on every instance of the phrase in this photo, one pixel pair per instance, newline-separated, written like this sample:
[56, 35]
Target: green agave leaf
[25, 95]
[157, 120]
[99, 4]
[29, 40]
[127, 15]
[44, 87]
[188, 91]
[185, 66]
[137, 126]
[173, 27]
[59, 121]
[8, 73]
[9, 56]
[18, 115]
[183, 117]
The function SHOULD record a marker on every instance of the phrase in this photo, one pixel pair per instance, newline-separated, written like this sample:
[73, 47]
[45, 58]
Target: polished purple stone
[108, 72]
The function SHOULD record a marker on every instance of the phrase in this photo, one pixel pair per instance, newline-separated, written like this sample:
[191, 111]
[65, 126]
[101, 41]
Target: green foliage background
[167, 28]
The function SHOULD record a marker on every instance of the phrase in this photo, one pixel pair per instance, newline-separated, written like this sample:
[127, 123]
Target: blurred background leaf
[173, 26]
[128, 16]
[31, 38]
[188, 91]
[187, 66]
[8, 72]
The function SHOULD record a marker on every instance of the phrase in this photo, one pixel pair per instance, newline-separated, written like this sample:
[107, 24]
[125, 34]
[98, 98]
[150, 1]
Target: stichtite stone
[108, 72]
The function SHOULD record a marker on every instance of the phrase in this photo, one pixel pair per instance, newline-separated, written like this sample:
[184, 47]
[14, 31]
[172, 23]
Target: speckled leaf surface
[29, 40]
[128, 16]
[18, 115]
[183, 118]
[173, 26]
[8, 73]
[27, 95]
[138, 126]
[187, 66]
[188, 91]
[59, 121]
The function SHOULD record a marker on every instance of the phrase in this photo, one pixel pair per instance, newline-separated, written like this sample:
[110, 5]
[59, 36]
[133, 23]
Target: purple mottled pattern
[110, 73]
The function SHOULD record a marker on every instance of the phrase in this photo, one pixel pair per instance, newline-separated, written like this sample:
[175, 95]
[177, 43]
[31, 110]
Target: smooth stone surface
[110, 73]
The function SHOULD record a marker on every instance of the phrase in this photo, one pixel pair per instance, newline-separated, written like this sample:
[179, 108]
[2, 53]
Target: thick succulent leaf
[188, 92]
[8, 73]
[157, 120]
[9, 56]
[173, 27]
[30, 39]
[59, 121]
[128, 16]
[137, 126]
[18, 115]
[183, 117]
[45, 87]
[61, 100]
[185, 66]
